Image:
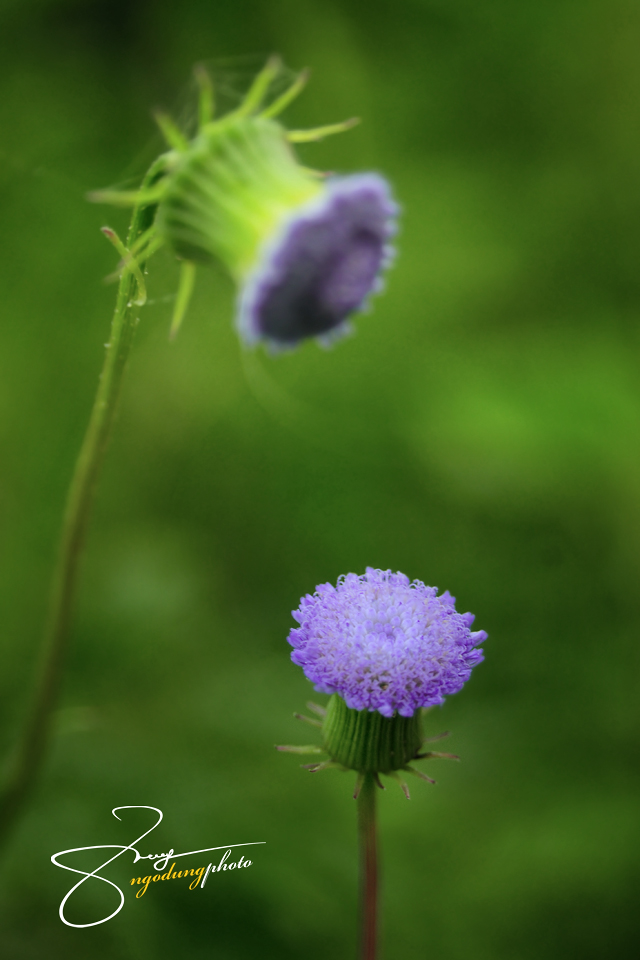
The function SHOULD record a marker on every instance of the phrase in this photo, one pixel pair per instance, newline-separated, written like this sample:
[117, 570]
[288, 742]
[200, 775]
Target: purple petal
[384, 643]
[321, 266]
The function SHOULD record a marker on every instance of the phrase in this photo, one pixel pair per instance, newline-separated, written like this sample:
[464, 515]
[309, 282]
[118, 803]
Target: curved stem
[367, 837]
[33, 740]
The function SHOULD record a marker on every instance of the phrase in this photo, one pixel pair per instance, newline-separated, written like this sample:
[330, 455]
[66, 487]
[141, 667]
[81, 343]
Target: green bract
[229, 190]
[365, 741]
[369, 743]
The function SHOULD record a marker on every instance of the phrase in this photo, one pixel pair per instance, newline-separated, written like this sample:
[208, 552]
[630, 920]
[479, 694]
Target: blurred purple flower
[322, 264]
[383, 643]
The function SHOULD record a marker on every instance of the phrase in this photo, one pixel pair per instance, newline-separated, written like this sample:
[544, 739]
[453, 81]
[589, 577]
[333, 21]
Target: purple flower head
[321, 265]
[383, 643]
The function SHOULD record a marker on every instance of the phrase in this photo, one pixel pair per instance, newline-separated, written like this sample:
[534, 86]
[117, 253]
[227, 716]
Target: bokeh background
[480, 432]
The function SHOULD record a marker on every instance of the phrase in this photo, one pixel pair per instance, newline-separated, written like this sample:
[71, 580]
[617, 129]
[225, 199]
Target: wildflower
[305, 250]
[384, 647]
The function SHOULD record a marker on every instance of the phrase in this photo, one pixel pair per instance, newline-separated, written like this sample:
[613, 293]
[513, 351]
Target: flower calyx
[369, 743]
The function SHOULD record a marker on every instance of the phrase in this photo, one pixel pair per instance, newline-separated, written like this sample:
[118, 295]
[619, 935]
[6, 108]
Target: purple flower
[305, 251]
[321, 265]
[383, 643]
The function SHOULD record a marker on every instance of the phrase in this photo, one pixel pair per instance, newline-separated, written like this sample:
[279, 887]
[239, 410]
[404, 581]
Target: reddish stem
[368, 868]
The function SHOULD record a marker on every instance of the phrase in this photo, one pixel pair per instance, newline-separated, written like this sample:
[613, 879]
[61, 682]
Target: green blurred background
[480, 432]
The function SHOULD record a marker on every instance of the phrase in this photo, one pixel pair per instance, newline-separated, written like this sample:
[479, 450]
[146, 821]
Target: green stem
[368, 868]
[32, 742]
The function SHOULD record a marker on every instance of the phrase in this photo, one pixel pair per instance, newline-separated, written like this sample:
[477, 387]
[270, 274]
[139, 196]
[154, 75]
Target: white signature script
[160, 862]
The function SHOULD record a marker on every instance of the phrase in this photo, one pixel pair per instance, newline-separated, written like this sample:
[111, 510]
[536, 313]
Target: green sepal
[365, 741]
